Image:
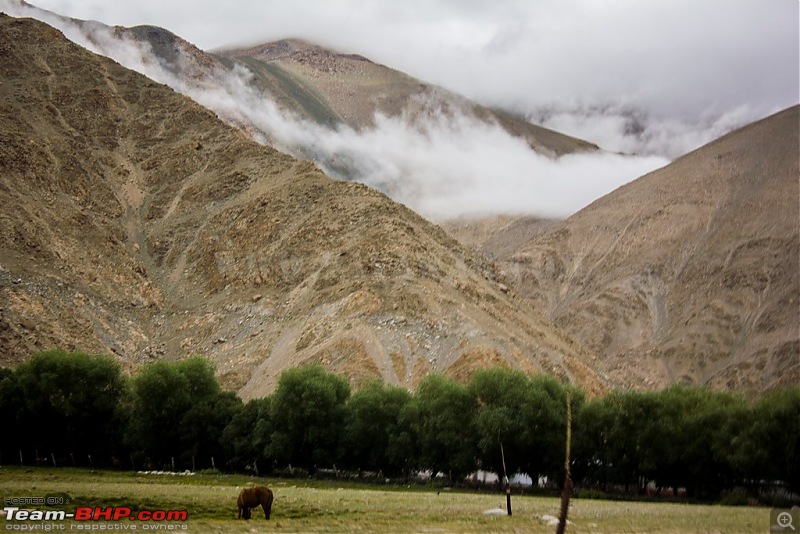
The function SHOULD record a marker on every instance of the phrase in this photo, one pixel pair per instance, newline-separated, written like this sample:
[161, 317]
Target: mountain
[690, 274]
[334, 88]
[315, 84]
[134, 222]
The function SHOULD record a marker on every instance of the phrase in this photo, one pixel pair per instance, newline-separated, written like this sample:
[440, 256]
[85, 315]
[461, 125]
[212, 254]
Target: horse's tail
[268, 503]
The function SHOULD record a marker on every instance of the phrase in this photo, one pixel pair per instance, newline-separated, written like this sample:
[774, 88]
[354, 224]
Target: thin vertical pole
[567, 491]
[505, 478]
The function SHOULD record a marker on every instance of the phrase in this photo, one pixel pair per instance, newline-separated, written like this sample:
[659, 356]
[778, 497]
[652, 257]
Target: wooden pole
[567, 491]
[505, 478]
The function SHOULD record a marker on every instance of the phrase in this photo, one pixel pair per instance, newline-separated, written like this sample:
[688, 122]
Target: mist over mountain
[689, 72]
[433, 151]
[633, 130]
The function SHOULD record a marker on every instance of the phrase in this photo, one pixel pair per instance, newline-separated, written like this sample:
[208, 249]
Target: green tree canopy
[308, 415]
[768, 444]
[502, 395]
[247, 435]
[178, 410]
[373, 429]
[65, 403]
[447, 432]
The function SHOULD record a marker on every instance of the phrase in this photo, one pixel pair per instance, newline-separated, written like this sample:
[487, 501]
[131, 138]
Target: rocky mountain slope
[690, 274]
[133, 221]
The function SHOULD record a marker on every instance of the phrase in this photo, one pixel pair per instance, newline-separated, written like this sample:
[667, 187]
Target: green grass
[332, 506]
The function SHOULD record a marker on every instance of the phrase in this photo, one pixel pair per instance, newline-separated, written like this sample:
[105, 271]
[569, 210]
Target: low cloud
[439, 164]
[633, 131]
[688, 70]
[446, 166]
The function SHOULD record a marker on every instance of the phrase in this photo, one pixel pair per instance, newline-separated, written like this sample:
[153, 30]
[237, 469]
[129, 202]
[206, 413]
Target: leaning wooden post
[567, 491]
[505, 478]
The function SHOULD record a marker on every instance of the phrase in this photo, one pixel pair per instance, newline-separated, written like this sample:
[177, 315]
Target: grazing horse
[252, 498]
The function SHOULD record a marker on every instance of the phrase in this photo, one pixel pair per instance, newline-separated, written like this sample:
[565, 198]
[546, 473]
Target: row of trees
[76, 408]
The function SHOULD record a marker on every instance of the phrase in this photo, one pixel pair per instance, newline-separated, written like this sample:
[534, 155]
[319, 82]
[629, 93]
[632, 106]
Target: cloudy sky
[657, 76]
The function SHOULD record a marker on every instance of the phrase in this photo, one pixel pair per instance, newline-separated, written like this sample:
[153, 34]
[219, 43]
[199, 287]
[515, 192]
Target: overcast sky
[655, 76]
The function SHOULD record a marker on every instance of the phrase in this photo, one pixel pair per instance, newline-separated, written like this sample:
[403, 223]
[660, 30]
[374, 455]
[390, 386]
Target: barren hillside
[134, 221]
[690, 274]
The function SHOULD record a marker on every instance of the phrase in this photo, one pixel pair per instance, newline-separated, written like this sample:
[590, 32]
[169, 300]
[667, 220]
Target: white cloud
[630, 131]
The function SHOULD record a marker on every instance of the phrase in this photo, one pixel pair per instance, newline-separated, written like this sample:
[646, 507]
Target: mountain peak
[286, 48]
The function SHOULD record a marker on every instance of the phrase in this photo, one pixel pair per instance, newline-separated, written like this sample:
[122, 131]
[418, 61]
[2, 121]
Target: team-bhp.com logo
[17, 515]
[87, 513]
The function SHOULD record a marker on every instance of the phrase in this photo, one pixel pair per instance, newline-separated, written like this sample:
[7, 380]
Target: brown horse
[252, 498]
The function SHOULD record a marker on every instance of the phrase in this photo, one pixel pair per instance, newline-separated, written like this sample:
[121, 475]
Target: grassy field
[332, 506]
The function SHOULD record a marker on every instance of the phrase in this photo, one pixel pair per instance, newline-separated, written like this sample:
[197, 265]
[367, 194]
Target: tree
[768, 447]
[685, 439]
[159, 399]
[178, 410]
[66, 403]
[502, 395]
[16, 434]
[247, 435]
[610, 437]
[308, 416]
[202, 427]
[678, 437]
[372, 426]
[447, 432]
[545, 417]
[403, 448]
